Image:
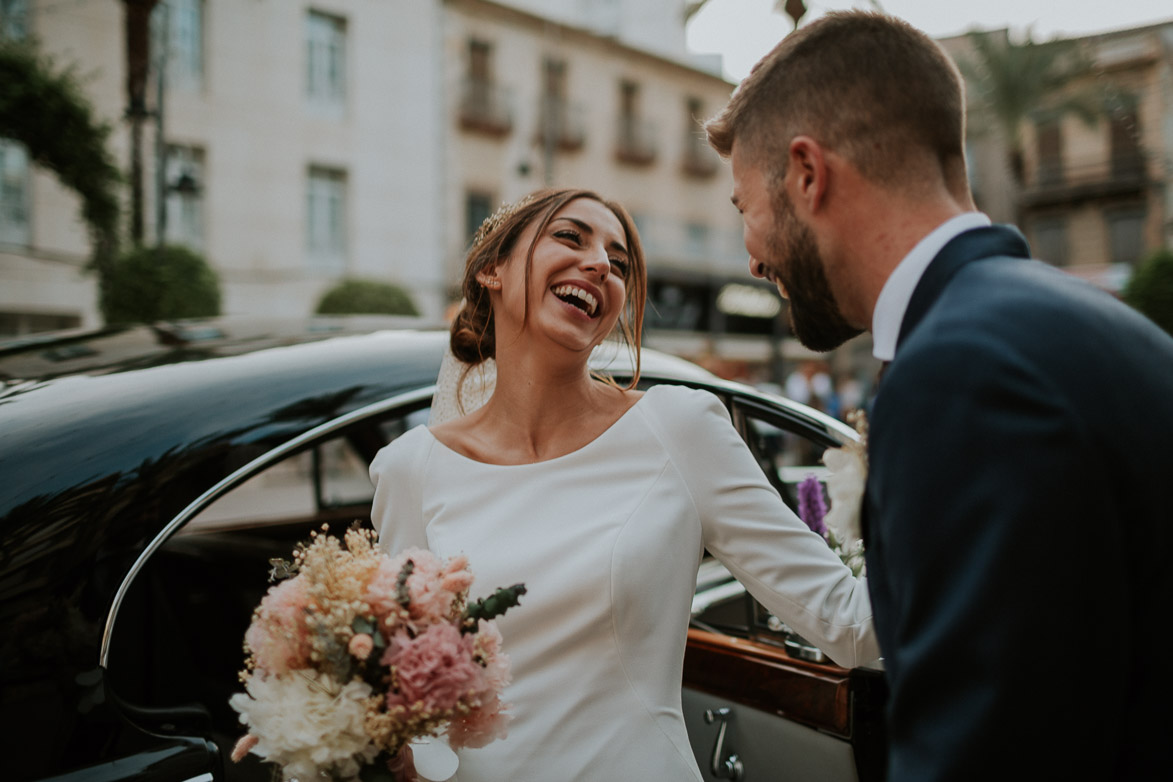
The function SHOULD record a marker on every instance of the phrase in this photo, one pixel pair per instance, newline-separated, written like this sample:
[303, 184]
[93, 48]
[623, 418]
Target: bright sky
[744, 30]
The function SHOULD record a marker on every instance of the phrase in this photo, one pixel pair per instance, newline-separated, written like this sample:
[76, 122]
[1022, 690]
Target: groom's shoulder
[1028, 317]
[1024, 300]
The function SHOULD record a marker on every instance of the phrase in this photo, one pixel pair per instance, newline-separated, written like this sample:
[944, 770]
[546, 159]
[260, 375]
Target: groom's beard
[815, 318]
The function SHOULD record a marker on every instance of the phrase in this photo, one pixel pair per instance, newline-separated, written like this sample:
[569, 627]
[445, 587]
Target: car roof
[79, 407]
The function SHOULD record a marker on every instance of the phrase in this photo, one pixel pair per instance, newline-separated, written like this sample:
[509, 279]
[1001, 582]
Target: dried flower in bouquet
[354, 654]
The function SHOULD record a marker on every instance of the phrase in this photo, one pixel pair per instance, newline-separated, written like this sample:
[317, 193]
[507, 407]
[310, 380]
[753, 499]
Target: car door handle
[730, 767]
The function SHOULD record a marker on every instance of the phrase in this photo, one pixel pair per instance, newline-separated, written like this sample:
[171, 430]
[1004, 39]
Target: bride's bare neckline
[483, 456]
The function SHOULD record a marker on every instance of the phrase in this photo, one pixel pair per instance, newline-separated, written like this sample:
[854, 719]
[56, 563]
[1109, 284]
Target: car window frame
[421, 395]
[740, 403]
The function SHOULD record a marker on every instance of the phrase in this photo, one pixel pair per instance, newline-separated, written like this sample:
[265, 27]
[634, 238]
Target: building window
[1126, 234]
[478, 206]
[554, 79]
[1049, 240]
[326, 60]
[14, 193]
[635, 142]
[15, 324]
[484, 106]
[699, 158]
[185, 203]
[14, 20]
[185, 39]
[326, 219]
[562, 125]
[1049, 144]
[1124, 142]
[480, 55]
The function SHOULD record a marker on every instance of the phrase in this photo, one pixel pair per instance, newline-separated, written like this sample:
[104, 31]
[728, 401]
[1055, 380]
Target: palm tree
[795, 8]
[1017, 81]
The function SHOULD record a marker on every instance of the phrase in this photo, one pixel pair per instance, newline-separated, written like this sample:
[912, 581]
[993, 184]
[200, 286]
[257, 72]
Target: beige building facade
[1096, 193]
[534, 102]
[358, 138]
[44, 244]
[1099, 197]
[302, 145]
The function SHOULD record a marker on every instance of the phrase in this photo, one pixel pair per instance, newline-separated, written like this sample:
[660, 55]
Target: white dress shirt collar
[897, 291]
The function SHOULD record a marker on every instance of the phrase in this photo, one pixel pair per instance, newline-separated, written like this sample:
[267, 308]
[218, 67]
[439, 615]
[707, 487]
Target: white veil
[454, 398]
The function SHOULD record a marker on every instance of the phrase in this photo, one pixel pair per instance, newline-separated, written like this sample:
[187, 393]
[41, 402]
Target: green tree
[366, 297]
[1015, 82]
[43, 107]
[161, 283]
[1150, 289]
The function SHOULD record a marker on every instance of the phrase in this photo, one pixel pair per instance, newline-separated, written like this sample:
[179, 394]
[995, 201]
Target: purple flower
[811, 506]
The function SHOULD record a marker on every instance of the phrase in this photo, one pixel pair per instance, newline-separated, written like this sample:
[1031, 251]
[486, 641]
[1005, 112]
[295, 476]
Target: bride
[601, 499]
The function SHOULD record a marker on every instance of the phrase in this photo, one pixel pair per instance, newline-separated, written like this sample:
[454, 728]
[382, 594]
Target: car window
[787, 458]
[183, 620]
[330, 475]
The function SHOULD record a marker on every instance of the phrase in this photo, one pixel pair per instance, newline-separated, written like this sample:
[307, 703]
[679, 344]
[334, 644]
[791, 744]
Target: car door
[173, 638]
[759, 702]
[176, 633]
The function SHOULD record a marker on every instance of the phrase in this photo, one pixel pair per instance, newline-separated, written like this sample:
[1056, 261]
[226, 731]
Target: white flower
[307, 724]
[845, 487]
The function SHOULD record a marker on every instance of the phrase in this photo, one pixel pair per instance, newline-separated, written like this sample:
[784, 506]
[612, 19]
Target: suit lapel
[998, 240]
[974, 245]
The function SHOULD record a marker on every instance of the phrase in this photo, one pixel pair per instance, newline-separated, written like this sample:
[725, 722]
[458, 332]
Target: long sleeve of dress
[746, 525]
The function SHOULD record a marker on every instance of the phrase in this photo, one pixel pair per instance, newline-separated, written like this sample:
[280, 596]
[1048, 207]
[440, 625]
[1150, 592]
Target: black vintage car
[150, 473]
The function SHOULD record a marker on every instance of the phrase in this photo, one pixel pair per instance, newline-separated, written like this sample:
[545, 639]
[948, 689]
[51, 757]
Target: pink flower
[480, 726]
[278, 636]
[457, 577]
[246, 742]
[457, 582]
[487, 643]
[361, 646]
[435, 668]
[429, 599]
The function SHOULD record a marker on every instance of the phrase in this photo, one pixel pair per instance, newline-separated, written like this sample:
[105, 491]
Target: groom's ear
[806, 171]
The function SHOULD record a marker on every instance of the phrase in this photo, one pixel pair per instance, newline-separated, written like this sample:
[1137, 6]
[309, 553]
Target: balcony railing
[699, 159]
[561, 123]
[1067, 182]
[485, 108]
[635, 142]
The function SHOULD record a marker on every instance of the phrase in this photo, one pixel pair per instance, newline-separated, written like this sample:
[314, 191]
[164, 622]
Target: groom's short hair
[869, 86]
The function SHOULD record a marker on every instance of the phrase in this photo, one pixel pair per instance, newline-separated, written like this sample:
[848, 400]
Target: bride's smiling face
[577, 286]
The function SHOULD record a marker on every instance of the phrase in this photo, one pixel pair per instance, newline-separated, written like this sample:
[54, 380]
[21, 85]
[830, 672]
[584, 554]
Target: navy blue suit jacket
[1017, 522]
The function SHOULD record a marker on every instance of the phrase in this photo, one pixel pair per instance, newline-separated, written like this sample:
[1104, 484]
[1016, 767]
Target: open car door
[761, 704]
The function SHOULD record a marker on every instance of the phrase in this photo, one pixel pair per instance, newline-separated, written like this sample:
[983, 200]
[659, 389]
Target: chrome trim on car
[238, 477]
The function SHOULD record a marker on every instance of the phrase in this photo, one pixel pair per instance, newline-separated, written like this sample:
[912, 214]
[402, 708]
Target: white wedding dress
[608, 539]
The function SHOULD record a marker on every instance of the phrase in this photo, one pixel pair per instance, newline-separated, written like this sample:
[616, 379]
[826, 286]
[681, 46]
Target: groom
[1019, 500]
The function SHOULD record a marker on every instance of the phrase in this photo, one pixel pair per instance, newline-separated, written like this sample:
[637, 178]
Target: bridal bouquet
[355, 654]
[847, 468]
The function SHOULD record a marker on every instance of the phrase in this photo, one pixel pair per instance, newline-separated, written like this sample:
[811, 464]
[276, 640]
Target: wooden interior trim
[762, 677]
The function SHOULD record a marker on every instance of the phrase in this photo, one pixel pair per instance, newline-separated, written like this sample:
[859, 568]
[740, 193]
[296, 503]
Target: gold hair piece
[504, 212]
